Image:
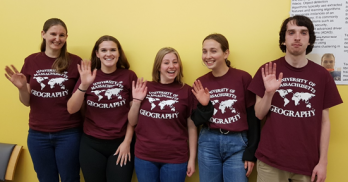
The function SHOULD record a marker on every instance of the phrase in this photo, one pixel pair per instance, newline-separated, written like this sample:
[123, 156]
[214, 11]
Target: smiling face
[212, 54]
[108, 55]
[170, 68]
[296, 39]
[55, 38]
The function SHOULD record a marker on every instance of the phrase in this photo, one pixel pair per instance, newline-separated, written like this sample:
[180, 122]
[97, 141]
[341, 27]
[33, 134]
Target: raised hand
[139, 90]
[18, 79]
[202, 94]
[270, 78]
[86, 75]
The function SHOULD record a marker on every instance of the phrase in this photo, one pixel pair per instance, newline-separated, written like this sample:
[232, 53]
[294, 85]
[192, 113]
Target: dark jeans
[98, 162]
[148, 171]
[55, 154]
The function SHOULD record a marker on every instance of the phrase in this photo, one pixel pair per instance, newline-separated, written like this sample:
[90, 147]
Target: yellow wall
[143, 27]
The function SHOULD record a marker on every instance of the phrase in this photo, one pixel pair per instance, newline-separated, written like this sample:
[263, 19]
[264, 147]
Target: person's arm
[24, 95]
[76, 100]
[202, 114]
[87, 77]
[139, 91]
[123, 150]
[192, 134]
[205, 108]
[20, 81]
[263, 104]
[253, 140]
[319, 170]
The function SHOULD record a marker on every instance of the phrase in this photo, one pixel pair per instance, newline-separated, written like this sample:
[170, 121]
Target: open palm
[86, 75]
[139, 89]
[202, 94]
[270, 79]
[18, 79]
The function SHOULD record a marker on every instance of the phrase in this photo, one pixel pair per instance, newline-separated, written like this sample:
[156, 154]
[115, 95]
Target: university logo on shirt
[164, 101]
[295, 98]
[107, 90]
[223, 100]
[50, 79]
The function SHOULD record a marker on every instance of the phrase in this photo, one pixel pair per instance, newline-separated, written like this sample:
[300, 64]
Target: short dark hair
[299, 20]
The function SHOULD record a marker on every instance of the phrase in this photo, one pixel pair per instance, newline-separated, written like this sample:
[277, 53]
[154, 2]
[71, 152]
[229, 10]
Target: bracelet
[82, 90]
[138, 99]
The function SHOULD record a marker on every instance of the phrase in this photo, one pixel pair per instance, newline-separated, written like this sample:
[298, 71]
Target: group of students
[152, 126]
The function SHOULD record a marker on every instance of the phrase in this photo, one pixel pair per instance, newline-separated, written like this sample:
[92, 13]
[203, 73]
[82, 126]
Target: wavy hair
[299, 20]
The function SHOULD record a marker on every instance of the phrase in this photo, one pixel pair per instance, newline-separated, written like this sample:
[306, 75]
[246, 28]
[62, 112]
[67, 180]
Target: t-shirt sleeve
[256, 85]
[332, 96]
[249, 96]
[77, 85]
[75, 60]
[133, 77]
[26, 69]
[191, 101]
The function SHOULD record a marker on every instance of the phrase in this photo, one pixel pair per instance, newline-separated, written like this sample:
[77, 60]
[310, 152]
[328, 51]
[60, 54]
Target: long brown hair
[122, 60]
[63, 61]
[158, 61]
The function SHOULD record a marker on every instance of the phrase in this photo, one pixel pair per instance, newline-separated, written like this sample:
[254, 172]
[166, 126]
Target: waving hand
[270, 78]
[17, 79]
[86, 75]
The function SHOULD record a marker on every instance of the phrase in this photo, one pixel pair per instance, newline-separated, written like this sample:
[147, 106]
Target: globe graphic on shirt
[224, 105]
[109, 93]
[170, 103]
[52, 82]
[297, 97]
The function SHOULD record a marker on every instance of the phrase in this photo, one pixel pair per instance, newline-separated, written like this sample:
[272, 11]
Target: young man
[328, 62]
[295, 138]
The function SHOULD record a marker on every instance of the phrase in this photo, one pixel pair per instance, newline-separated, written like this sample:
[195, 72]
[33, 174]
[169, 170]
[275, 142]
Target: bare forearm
[133, 113]
[325, 137]
[24, 95]
[192, 134]
[263, 105]
[129, 133]
[75, 102]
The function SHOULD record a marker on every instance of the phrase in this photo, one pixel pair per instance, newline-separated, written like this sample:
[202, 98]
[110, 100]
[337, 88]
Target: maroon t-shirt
[50, 92]
[162, 125]
[107, 104]
[230, 98]
[290, 138]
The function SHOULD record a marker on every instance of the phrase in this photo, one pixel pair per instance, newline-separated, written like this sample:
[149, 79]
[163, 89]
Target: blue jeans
[55, 154]
[148, 171]
[220, 156]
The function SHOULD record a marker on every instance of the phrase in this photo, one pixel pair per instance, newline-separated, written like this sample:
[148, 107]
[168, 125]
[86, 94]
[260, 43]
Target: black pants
[98, 162]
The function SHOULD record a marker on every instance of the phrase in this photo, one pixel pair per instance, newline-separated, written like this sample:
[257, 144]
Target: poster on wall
[330, 19]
